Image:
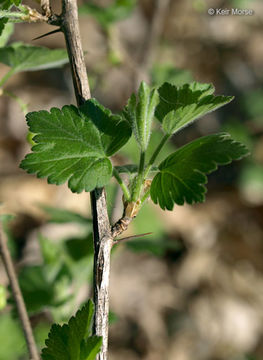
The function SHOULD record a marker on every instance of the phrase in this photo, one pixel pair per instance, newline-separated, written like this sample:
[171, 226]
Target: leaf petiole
[20, 102]
[145, 197]
[140, 179]
[156, 153]
[7, 76]
[124, 188]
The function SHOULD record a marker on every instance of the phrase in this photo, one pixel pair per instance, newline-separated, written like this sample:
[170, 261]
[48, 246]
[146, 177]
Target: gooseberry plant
[75, 144]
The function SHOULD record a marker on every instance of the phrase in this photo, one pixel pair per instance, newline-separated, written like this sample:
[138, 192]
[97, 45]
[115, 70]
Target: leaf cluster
[76, 144]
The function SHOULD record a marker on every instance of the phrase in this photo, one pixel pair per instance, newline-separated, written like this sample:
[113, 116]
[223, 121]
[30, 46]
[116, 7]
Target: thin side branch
[22, 312]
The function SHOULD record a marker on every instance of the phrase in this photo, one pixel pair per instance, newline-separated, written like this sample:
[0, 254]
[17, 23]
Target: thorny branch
[103, 234]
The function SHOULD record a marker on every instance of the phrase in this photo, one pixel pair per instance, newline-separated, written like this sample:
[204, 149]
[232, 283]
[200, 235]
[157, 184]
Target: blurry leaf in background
[49, 250]
[68, 264]
[157, 243]
[253, 105]
[113, 318]
[239, 132]
[162, 73]
[70, 342]
[119, 10]
[37, 291]
[6, 219]
[12, 339]
[41, 333]
[251, 183]
[157, 247]
[5, 31]
[3, 296]
[241, 3]
[22, 57]
[62, 216]
[182, 175]
[79, 248]
[199, 5]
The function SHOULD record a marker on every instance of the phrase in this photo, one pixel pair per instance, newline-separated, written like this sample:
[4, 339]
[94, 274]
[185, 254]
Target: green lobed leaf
[13, 345]
[115, 131]
[140, 114]
[71, 341]
[22, 57]
[182, 174]
[37, 289]
[180, 106]
[68, 147]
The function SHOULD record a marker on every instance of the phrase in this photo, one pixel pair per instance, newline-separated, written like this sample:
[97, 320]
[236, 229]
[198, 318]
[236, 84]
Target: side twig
[22, 312]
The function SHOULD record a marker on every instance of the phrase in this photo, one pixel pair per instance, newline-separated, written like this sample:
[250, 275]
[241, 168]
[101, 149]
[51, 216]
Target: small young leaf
[68, 342]
[116, 131]
[180, 106]
[22, 57]
[140, 114]
[182, 175]
[69, 147]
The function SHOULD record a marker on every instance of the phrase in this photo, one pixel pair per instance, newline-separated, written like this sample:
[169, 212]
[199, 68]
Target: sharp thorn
[131, 237]
[49, 33]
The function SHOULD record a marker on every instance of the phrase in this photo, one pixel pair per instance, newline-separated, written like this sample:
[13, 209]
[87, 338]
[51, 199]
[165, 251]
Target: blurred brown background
[195, 290]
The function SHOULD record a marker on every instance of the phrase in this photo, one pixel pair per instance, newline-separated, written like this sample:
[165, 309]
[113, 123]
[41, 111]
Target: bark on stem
[22, 312]
[102, 237]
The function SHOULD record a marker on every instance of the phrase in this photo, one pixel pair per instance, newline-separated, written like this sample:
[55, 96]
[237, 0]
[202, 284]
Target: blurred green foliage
[106, 16]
